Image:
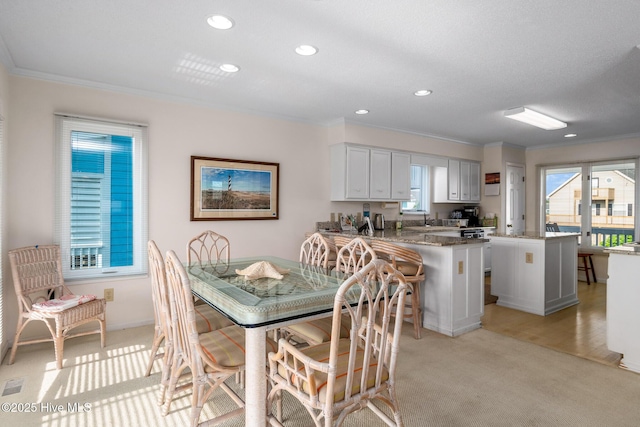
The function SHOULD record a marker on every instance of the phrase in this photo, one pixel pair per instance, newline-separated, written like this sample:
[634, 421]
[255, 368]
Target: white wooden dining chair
[408, 262]
[336, 378]
[207, 319]
[39, 286]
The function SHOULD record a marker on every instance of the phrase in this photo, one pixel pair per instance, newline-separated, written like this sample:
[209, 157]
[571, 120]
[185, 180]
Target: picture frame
[228, 189]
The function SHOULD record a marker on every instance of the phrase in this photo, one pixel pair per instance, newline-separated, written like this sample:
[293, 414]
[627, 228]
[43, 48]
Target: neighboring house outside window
[102, 210]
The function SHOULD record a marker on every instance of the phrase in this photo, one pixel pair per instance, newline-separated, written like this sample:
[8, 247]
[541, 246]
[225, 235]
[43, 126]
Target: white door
[515, 199]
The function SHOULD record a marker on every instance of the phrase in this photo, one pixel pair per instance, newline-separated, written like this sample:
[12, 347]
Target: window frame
[65, 125]
[425, 192]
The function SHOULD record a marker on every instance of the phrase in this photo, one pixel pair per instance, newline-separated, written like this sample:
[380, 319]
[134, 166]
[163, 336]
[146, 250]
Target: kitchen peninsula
[535, 272]
[453, 291]
[623, 299]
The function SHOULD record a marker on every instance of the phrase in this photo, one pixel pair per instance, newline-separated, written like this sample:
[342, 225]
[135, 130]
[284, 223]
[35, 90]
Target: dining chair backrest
[161, 313]
[354, 255]
[315, 251]
[382, 290]
[182, 312]
[348, 373]
[408, 262]
[208, 249]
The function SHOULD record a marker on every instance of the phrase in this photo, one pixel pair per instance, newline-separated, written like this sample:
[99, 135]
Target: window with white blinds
[101, 216]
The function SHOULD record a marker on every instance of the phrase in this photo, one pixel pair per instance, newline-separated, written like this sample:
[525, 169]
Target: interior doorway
[515, 199]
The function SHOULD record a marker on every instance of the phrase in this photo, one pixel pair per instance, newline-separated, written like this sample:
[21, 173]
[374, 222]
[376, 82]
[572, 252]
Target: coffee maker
[472, 213]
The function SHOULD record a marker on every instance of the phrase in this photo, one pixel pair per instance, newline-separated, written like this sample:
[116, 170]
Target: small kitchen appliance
[378, 222]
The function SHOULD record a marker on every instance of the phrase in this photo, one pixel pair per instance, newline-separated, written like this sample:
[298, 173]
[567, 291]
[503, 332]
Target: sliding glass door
[594, 199]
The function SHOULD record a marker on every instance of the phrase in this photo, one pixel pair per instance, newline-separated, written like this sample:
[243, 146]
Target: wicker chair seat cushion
[63, 303]
[225, 346]
[75, 314]
[407, 268]
[209, 319]
[320, 330]
[320, 353]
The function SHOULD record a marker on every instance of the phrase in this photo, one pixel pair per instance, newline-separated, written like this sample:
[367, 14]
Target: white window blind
[101, 212]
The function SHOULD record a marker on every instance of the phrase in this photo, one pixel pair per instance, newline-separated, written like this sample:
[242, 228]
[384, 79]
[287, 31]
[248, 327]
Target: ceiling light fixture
[220, 22]
[362, 111]
[571, 135]
[306, 50]
[230, 68]
[534, 118]
[423, 92]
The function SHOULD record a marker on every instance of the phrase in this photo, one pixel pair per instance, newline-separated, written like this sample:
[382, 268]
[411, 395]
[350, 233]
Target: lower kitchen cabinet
[534, 273]
[453, 290]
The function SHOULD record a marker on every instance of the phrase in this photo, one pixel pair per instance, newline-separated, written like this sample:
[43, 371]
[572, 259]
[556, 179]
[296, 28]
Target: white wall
[176, 131]
[5, 284]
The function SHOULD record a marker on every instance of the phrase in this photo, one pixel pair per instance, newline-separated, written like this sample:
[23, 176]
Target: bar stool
[586, 267]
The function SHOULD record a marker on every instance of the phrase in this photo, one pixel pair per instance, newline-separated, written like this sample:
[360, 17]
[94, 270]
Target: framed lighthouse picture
[227, 189]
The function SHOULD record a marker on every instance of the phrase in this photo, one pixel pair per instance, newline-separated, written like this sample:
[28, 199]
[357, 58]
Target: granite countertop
[538, 235]
[410, 236]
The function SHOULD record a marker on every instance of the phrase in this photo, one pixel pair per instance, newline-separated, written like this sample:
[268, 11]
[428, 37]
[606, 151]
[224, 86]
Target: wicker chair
[315, 250]
[341, 376]
[207, 318]
[209, 250]
[37, 276]
[409, 263]
[211, 357]
[351, 257]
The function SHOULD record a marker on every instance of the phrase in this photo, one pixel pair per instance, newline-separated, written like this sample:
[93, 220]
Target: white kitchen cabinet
[454, 180]
[453, 290]
[623, 299]
[369, 174]
[534, 273]
[380, 175]
[400, 176]
[459, 182]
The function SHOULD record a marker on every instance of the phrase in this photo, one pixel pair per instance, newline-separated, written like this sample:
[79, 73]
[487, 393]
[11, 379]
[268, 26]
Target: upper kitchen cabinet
[459, 182]
[368, 173]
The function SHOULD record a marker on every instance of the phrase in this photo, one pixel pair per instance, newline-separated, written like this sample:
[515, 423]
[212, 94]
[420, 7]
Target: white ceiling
[576, 60]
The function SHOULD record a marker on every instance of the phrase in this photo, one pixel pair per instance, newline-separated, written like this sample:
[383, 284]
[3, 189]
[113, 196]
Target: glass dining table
[260, 304]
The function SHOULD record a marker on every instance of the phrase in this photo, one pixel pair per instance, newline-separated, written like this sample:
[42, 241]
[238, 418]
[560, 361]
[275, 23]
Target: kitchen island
[535, 272]
[453, 291]
[623, 302]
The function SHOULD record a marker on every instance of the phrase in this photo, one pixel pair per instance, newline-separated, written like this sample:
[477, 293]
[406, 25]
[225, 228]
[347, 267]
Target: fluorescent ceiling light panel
[534, 118]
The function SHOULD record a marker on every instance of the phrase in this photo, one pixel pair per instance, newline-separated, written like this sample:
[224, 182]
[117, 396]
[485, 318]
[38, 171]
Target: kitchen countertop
[411, 236]
[626, 249]
[538, 235]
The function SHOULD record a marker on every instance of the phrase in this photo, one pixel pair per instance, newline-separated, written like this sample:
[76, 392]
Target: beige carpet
[477, 379]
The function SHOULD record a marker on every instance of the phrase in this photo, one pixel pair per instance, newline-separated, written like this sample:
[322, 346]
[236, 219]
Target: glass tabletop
[302, 291]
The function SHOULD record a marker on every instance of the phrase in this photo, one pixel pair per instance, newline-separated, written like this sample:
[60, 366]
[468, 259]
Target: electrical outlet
[529, 257]
[108, 294]
[460, 267]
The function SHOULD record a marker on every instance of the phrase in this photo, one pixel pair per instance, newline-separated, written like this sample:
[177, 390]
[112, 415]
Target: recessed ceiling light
[362, 111]
[306, 50]
[230, 68]
[422, 92]
[571, 135]
[220, 22]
